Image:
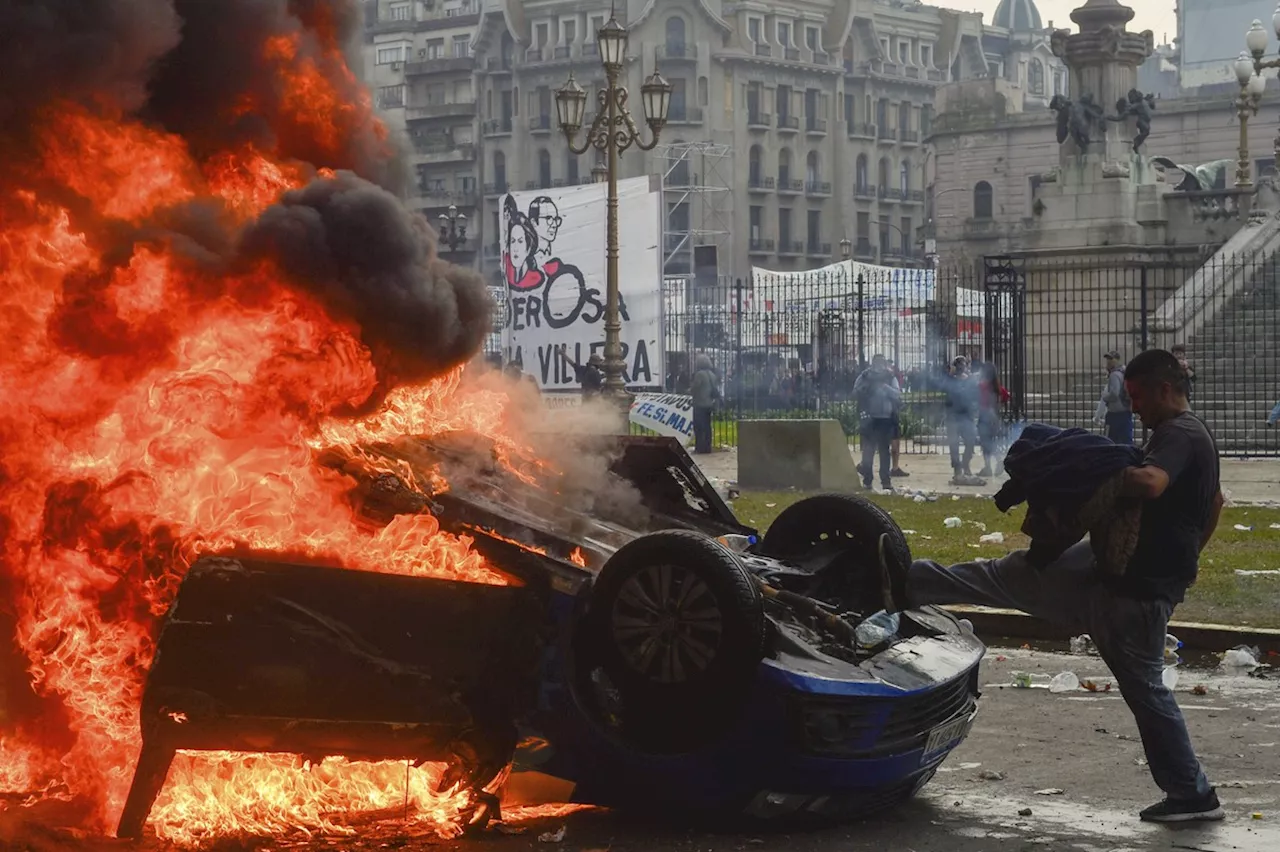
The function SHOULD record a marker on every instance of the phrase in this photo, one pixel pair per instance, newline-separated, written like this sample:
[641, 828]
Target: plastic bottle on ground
[1169, 677]
[736, 542]
[1065, 682]
[876, 629]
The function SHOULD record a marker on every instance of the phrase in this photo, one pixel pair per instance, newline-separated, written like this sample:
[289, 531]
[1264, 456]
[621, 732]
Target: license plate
[944, 736]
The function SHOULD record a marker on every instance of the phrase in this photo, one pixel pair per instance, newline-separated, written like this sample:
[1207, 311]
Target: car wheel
[855, 525]
[677, 624]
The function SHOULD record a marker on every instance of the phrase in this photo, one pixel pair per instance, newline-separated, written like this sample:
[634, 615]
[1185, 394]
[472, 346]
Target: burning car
[632, 653]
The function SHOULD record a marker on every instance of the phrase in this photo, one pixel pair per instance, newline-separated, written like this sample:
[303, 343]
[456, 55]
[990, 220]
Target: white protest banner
[669, 414]
[553, 260]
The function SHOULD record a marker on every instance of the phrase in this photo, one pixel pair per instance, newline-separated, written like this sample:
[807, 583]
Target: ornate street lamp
[1255, 40]
[453, 228]
[846, 252]
[612, 131]
[1252, 86]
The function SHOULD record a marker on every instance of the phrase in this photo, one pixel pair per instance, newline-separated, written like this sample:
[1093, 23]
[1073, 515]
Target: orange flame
[577, 558]
[192, 430]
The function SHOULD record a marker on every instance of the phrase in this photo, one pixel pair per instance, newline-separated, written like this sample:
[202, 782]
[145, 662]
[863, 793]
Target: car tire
[677, 625]
[857, 524]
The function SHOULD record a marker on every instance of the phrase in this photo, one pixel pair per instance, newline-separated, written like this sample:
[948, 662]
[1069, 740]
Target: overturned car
[649, 653]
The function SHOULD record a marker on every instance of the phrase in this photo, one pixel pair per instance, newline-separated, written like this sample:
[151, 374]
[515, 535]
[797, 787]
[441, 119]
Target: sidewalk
[1244, 481]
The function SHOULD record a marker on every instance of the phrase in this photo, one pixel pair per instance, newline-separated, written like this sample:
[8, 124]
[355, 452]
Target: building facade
[788, 131]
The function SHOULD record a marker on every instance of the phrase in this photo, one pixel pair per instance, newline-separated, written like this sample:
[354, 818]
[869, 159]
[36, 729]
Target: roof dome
[1017, 15]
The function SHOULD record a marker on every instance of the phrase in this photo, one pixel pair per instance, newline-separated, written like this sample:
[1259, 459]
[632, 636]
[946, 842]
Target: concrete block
[808, 455]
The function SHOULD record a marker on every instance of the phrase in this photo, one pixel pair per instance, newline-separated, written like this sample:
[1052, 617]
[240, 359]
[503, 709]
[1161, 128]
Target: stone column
[1103, 59]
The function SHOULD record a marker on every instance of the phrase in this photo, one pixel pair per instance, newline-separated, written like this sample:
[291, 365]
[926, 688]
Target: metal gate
[1004, 285]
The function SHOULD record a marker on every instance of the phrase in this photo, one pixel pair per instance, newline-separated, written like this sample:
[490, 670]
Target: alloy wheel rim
[667, 623]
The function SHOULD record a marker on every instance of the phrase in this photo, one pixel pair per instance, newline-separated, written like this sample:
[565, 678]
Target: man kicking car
[1127, 615]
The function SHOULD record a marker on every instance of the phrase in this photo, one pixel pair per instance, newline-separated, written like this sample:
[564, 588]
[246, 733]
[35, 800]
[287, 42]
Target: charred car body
[634, 655]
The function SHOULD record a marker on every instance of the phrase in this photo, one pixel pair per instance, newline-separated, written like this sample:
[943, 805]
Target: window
[755, 29]
[904, 52]
[982, 200]
[571, 170]
[884, 49]
[926, 56]
[1035, 77]
[784, 34]
[864, 229]
[461, 47]
[757, 222]
[882, 113]
[926, 119]
[811, 168]
[886, 239]
[904, 118]
[704, 91]
[390, 97]
[849, 104]
[387, 55]
[597, 24]
[544, 169]
[904, 177]
[435, 94]
[784, 166]
[860, 173]
[783, 101]
[815, 229]
[435, 48]
[677, 110]
[401, 11]
[755, 167]
[1033, 184]
[543, 36]
[500, 171]
[906, 238]
[675, 34]
[884, 174]
[784, 228]
[570, 32]
[465, 184]
[811, 39]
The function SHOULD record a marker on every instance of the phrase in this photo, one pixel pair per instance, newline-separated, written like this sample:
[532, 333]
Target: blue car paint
[758, 753]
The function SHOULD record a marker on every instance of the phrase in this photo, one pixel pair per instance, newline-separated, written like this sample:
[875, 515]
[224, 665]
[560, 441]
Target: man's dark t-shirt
[590, 377]
[1165, 561]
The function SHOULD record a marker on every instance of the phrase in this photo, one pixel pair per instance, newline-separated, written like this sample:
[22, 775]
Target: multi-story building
[789, 130]
[419, 64]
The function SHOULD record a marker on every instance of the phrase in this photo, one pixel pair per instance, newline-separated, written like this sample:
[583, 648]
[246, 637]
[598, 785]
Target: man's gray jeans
[1128, 633]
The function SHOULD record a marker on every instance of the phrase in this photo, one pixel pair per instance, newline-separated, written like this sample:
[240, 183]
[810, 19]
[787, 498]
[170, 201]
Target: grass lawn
[1220, 596]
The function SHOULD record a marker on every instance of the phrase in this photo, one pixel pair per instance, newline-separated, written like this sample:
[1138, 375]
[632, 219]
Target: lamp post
[1252, 85]
[846, 251]
[599, 173]
[1255, 40]
[453, 228]
[613, 131]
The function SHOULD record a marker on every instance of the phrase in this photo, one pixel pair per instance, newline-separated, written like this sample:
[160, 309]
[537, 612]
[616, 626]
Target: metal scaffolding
[696, 182]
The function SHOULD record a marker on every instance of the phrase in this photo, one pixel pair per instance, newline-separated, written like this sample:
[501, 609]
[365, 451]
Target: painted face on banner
[546, 221]
[517, 245]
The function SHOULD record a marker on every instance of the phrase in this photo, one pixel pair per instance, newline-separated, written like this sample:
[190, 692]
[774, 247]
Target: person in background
[895, 447]
[991, 396]
[705, 390]
[590, 377]
[961, 404]
[1115, 410]
[1274, 416]
[878, 397]
[1179, 351]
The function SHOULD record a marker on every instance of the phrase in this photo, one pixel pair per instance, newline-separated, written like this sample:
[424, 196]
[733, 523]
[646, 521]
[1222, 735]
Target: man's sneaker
[897, 471]
[864, 471]
[1206, 809]
[893, 577]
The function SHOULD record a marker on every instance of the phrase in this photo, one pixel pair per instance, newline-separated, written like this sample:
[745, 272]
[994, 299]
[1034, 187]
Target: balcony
[759, 183]
[763, 50]
[496, 189]
[864, 190]
[982, 229]
[790, 123]
[439, 150]
[790, 248]
[430, 111]
[816, 249]
[539, 124]
[760, 247]
[438, 65]
[684, 115]
[859, 130]
[787, 186]
[887, 134]
[676, 52]
[438, 198]
[537, 184]
[497, 127]
[562, 53]
[914, 196]
[535, 54]
[499, 64]
[815, 126]
[430, 19]
[791, 54]
[817, 188]
[863, 250]
[890, 193]
[909, 137]
[820, 58]
[935, 75]
[759, 120]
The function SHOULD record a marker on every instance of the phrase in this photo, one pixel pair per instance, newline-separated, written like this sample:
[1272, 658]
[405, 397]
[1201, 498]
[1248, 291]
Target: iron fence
[791, 345]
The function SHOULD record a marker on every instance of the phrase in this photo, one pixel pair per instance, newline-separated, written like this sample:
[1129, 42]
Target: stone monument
[1103, 192]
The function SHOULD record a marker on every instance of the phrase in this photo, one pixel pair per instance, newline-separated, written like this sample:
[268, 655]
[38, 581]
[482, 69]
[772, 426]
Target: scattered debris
[556, 836]
[1245, 572]
[1064, 682]
[1082, 644]
[1022, 680]
[969, 765]
[511, 830]
[1050, 791]
[908, 532]
[770, 505]
[991, 775]
[1000, 658]
[1141, 761]
[1169, 677]
[1199, 689]
[1232, 785]
[955, 497]
[1241, 657]
[992, 538]
[1093, 687]
[952, 523]
[1256, 814]
[1025, 812]
[1243, 528]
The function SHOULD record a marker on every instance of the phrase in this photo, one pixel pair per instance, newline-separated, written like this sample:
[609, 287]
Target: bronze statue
[1076, 120]
[1139, 107]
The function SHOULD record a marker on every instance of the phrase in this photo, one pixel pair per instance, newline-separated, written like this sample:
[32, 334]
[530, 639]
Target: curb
[1217, 638]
